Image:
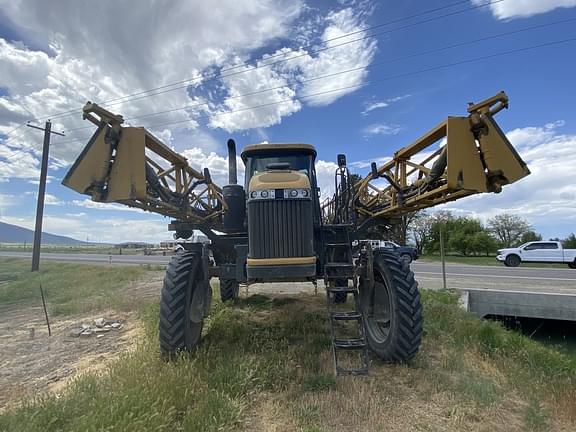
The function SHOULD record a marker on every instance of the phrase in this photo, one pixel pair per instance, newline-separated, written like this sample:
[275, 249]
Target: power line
[421, 53]
[144, 94]
[14, 130]
[391, 77]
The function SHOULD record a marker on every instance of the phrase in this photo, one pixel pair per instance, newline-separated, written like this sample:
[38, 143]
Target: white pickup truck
[538, 251]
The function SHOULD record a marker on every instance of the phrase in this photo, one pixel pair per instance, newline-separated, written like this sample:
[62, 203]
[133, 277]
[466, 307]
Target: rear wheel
[392, 311]
[183, 303]
[512, 261]
[229, 289]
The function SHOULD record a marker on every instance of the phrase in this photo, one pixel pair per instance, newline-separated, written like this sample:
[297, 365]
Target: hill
[15, 234]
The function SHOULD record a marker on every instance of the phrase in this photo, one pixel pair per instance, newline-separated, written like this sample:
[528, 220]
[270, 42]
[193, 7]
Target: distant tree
[570, 241]
[421, 230]
[467, 236]
[508, 229]
[483, 243]
[529, 236]
[442, 220]
[406, 221]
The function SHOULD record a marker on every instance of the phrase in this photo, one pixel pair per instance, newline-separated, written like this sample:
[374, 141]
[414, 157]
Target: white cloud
[237, 113]
[380, 129]
[374, 105]
[524, 8]
[296, 78]
[68, 66]
[366, 163]
[8, 200]
[120, 52]
[325, 172]
[87, 203]
[342, 56]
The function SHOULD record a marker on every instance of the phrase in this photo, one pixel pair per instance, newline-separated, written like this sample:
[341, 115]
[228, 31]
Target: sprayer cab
[281, 211]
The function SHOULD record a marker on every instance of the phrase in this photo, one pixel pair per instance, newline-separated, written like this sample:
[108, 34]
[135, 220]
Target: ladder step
[338, 265]
[342, 290]
[345, 316]
[356, 343]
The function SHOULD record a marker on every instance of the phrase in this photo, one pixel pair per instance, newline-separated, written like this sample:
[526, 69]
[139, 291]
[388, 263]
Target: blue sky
[54, 58]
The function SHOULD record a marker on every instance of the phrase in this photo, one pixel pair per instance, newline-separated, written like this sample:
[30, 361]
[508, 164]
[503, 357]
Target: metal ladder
[338, 271]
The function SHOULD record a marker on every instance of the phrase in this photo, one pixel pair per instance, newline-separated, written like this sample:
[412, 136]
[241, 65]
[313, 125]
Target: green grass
[266, 365]
[91, 249]
[68, 288]
[484, 260]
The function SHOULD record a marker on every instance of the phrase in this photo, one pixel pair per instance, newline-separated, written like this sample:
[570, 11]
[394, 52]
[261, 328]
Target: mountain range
[16, 234]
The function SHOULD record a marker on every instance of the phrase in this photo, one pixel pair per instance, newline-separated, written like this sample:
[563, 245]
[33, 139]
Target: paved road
[461, 276]
[428, 274]
[93, 258]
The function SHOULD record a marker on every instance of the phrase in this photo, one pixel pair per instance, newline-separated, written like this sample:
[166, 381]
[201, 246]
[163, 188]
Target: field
[265, 365]
[73, 249]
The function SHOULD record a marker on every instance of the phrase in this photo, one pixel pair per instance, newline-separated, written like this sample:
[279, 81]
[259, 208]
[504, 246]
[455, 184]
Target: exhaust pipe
[232, 172]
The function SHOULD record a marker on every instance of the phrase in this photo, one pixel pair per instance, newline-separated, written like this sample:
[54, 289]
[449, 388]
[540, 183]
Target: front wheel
[572, 265]
[512, 261]
[183, 303]
[392, 310]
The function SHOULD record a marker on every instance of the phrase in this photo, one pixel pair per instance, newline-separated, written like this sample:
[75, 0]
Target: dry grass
[265, 365]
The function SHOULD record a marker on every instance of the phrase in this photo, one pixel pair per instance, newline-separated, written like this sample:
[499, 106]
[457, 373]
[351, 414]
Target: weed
[319, 383]
[535, 417]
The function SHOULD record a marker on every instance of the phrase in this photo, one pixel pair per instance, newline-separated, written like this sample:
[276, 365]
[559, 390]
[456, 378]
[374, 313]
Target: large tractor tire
[229, 289]
[392, 311]
[512, 261]
[184, 302]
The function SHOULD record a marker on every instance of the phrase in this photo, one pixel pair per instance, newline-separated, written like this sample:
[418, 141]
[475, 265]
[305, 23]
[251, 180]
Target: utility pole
[442, 255]
[41, 193]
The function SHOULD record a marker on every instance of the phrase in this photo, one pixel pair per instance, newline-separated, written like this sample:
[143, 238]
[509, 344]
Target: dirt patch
[33, 363]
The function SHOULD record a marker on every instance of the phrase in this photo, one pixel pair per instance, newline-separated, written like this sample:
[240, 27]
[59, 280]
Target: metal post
[45, 311]
[41, 193]
[442, 257]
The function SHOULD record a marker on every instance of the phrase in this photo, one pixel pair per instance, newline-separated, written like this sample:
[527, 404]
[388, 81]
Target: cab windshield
[255, 165]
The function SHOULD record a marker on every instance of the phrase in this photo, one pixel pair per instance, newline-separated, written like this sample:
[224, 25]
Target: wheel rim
[406, 258]
[379, 326]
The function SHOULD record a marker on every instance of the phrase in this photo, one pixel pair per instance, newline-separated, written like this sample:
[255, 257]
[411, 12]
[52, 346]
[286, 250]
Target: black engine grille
[280, 228]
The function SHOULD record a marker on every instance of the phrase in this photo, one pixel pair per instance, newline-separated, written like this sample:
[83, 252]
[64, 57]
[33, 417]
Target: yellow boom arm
[461, 156]
[130, 166]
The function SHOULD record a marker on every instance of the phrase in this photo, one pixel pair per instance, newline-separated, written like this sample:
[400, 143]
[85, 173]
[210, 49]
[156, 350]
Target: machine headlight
[264, 194]
[296, 193]
[253, 194]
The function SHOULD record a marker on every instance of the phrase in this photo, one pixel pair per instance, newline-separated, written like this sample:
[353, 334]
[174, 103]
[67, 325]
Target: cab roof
[253, 149]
